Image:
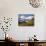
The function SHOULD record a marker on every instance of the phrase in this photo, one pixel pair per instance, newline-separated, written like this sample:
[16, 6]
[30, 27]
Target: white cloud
[30, 17]
[22, 17]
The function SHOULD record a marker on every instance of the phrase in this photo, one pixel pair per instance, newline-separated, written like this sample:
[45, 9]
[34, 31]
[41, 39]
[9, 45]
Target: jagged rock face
[35, 3]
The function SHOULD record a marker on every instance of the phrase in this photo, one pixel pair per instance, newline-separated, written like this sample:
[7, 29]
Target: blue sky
[24, 17]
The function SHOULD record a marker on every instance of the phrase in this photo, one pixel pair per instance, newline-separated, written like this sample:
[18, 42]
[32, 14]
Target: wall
[11, 8]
